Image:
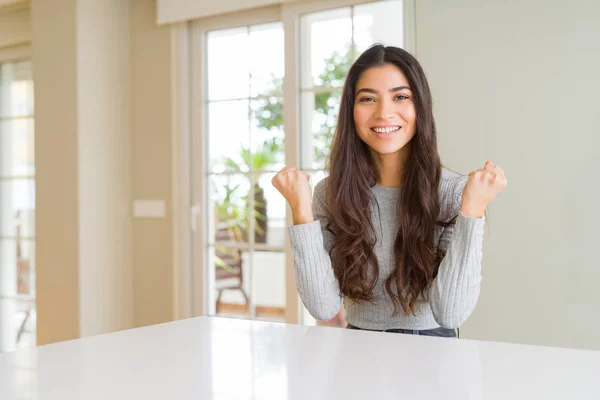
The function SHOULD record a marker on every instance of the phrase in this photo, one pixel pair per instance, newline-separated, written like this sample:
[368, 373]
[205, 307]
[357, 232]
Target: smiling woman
[412, 262]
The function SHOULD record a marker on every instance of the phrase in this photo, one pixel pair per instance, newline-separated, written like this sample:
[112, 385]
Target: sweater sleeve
[316, 283]
[454, 292]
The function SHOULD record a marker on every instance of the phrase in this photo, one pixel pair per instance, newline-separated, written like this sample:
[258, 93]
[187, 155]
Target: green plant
[229, 210]
[228, 214]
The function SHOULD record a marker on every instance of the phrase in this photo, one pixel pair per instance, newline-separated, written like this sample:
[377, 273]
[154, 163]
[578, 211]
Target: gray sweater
[452, 295]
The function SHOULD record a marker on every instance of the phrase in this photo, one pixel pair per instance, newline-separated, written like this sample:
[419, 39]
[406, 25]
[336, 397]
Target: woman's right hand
[293, 185]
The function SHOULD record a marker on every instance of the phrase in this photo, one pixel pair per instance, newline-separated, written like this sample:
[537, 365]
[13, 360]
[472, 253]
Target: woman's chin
[387, 149]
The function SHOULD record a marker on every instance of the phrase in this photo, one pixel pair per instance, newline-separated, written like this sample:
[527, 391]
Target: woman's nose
[384, 110]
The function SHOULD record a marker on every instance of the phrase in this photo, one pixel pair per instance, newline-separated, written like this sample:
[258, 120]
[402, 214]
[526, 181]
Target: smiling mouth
[386, 130]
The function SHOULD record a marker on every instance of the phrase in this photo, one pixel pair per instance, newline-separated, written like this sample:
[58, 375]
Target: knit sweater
[452, 295]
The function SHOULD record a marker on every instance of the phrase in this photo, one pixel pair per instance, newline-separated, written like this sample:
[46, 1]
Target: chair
[229, 266]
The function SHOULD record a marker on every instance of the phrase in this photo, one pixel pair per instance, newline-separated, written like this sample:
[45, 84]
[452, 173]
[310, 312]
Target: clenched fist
[483, 185]
[293, 185]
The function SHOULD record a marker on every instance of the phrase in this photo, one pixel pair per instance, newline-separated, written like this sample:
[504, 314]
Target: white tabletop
[217, 358]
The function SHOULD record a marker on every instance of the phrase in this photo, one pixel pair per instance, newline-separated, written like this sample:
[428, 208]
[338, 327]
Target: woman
[390, 234]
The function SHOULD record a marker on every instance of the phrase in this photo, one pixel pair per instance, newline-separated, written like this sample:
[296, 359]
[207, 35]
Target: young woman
[390, 234]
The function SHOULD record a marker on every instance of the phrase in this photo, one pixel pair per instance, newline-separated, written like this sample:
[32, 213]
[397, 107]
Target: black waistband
[439, 332]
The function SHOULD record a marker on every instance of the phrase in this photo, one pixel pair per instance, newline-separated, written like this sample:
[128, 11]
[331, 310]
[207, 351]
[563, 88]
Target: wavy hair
[351, 175]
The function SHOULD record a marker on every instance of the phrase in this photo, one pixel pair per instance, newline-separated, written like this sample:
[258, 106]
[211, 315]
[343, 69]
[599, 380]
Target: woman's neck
[390, 168]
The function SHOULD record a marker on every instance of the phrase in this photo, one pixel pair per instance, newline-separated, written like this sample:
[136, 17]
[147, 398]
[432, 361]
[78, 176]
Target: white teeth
[386, 130]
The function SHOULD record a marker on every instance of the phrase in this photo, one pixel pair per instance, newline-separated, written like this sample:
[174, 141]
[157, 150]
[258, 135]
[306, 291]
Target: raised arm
[310, 241]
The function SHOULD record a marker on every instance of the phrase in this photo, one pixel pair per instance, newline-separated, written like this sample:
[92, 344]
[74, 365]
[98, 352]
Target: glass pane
[17, 147]
[266, 135]
[19, 222]
[228, 200]
[317, 125]
[17, 324]
[17, 207]
[230, 283]
[228, 64]
[378, 22]
[267, 59]
[268, 285]
[229, 136]
[269, 213]
[16, 89]
[17, 266]
[325, 56]
[247, 284]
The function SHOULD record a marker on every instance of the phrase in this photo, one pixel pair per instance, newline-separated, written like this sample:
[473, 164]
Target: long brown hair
[348, 199]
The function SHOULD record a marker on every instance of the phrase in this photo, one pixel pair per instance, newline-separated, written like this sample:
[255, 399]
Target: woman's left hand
[483, 185]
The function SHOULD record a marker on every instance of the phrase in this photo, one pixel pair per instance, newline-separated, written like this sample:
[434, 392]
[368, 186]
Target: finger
[490, 167]
[501, 176]
[485, 176]
[489, 163]
[496, 171]
[288, 170]
[307, 176]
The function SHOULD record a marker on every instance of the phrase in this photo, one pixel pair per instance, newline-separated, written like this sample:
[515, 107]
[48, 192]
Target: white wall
[517, 82]
[151, 129]
[104, 153]
[83, 168]
[56, 220]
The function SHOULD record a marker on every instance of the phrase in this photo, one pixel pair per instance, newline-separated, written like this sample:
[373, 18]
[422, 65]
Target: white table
[215, 358]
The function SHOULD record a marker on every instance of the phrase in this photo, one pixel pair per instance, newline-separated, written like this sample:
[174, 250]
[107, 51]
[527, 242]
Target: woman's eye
[402, 97]
[366, 100]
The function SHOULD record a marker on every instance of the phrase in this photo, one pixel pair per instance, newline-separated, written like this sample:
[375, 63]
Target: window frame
[11, 54]
[189, 80]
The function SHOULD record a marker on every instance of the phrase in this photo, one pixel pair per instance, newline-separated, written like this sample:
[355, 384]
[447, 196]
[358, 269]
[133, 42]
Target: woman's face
[384, 111]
